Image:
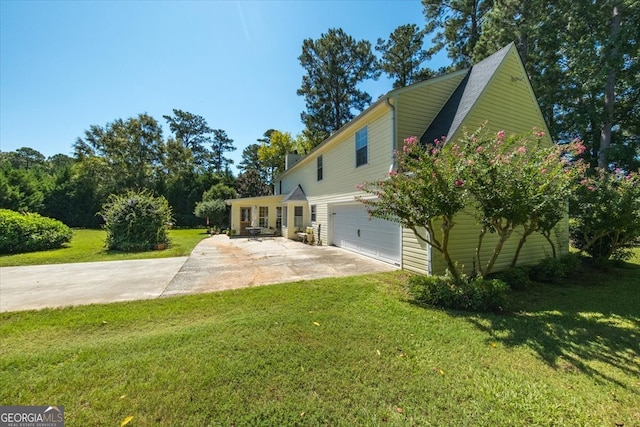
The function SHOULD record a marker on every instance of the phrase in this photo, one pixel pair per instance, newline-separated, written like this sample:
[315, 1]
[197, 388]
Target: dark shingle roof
[450, 117]
[296, 195]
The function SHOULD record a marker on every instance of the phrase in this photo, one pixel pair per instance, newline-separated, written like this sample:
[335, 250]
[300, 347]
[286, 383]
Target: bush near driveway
[30, 232]
[136, 221]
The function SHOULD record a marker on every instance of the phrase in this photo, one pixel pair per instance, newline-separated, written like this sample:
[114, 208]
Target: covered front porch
[271, 215]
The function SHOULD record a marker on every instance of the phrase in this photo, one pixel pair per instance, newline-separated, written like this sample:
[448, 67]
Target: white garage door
[355, 231]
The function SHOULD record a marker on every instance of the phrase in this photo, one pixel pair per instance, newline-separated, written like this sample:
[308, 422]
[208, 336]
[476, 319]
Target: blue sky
[67, 65]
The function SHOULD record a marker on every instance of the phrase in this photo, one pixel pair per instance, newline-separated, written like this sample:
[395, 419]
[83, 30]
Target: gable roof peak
[451, 116]
[297, 194]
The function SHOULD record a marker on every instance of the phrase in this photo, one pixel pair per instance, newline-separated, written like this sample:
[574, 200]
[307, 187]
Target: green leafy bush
[516, 277]
[30, 232]
[465, 293]
[605, 215]
[136, 221]
[555, 269]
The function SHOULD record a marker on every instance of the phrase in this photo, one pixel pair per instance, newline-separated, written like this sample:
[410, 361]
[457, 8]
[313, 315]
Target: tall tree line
[119, 156]
[582, 59]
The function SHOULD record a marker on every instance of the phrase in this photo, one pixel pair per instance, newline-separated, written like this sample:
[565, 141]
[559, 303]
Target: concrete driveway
[217, 263]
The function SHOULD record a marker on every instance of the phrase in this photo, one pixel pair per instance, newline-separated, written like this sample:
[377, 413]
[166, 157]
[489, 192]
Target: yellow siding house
[319, 189]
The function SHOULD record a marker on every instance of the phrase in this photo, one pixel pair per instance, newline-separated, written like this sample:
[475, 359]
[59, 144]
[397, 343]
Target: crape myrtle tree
[334, 66]
[517, 183]
[506, 182]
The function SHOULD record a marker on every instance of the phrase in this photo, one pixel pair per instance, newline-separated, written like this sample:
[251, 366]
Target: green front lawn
[88, 245]
[341, 352]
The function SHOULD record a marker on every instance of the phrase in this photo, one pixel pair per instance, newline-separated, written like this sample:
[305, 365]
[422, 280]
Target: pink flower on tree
[500, 135]
[538, 133]
[579, 146]
[360, 187]
[459, 183]
[480, 149]
[412, 140]
[522, 149]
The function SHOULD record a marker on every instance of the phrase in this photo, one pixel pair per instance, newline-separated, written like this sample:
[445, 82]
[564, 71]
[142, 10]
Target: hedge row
[30, 232]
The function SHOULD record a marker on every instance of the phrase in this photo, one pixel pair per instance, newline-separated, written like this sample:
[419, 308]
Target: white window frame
[320, 168]
[263, 216]
[298, 219]
[362, 144]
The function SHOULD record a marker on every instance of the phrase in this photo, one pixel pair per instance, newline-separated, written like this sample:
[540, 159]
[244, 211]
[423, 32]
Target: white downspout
[392, 166]
[393, 132]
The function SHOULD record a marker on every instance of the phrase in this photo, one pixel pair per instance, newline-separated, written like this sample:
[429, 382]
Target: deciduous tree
[606, 214]
[507, 183]
[273, 155]
[131, 149]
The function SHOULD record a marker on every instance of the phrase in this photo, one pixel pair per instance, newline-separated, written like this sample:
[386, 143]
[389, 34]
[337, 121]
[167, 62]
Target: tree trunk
[527, 232]
[496, 252]
[504, 233]
[609, 89]
[553, 246]
[443, 248]
[479, 248]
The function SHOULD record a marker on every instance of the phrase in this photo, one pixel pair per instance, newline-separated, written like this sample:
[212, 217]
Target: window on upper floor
[362, 147]
[319, 167]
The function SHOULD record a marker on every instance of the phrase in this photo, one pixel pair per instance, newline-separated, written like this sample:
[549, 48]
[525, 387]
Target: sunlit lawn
[88, 245]
[340, 352]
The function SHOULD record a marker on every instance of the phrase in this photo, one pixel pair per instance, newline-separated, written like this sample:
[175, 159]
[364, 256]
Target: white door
[373, 237]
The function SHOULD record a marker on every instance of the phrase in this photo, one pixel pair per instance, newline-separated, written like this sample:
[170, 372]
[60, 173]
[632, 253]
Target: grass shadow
[589, 323]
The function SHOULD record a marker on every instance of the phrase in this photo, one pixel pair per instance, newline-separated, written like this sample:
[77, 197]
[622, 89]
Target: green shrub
[30, 232]
[516, 277]
[471, 294]
[605, 215]
[136, 221]
[555, 269]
